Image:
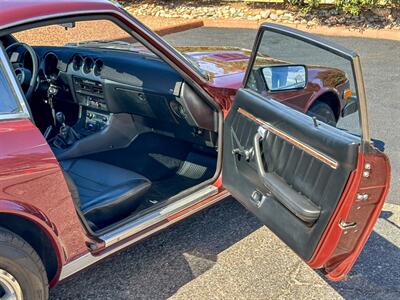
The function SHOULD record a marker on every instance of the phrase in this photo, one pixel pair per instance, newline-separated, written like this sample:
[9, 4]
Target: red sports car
[105, 140]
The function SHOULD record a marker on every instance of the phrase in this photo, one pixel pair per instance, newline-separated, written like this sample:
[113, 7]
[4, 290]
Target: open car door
[319, 187]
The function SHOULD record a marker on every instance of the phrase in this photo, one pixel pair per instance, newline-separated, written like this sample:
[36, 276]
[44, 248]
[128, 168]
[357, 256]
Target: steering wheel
[27, 77]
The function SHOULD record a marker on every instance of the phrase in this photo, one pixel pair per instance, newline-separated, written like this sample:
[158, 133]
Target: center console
[94, 114]
[97, 129]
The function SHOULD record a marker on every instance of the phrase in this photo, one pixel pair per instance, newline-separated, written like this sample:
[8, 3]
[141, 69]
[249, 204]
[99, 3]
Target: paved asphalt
[224, 252]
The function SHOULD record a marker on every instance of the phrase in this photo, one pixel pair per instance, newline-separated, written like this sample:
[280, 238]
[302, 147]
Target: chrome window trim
[148, 223]
[15, 89]
[362, 99]
[13, 116]
[332, 47]
[291, 139]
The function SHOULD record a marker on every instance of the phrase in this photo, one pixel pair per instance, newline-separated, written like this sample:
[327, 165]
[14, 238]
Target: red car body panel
[32, 186]
[337, 243]
[16, 12]
[31, 181]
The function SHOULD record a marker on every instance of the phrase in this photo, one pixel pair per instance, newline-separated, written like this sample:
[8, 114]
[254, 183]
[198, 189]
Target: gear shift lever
[67, 135]
[60, 118]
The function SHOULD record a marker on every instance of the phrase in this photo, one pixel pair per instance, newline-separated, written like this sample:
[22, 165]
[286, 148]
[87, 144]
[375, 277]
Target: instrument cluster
[87, 65]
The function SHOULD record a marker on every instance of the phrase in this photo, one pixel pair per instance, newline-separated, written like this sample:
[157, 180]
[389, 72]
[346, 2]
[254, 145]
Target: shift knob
[60, 117]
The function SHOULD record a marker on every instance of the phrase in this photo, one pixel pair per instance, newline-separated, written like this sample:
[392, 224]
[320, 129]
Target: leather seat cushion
[106, 193]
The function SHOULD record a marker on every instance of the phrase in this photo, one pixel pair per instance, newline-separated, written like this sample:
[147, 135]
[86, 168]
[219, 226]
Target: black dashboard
[105, 82]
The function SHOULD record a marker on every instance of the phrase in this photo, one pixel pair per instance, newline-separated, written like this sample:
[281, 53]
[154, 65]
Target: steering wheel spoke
[27, 77]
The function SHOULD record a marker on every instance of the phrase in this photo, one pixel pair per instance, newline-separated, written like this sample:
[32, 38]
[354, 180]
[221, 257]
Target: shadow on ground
[160, 266]
[376, 275]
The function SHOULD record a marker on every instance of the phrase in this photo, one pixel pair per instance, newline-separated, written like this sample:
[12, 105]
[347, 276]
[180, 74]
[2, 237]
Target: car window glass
[8, 102]
[80, 33]
[306, 78]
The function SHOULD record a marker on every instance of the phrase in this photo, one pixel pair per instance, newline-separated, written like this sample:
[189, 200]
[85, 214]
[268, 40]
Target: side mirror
[283, 78]
[351, 106]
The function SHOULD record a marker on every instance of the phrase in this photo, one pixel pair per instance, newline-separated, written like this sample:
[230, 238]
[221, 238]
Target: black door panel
[301, 172]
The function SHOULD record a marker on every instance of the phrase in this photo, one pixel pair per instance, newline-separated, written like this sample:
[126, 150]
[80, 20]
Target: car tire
[21, 269]
[322, 112]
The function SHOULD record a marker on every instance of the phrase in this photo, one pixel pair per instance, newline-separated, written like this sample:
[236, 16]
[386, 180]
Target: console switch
[96, 121]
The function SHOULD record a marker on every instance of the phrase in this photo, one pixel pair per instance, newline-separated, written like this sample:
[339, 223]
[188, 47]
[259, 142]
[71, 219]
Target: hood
[223, 61]
[218, 61]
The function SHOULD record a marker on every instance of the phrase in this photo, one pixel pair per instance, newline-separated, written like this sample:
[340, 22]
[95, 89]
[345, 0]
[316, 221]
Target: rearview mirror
[68, 25]
[287, 77]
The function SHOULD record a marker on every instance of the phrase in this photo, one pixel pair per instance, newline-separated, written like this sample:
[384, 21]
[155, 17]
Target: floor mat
[154, 156]
[195, 169]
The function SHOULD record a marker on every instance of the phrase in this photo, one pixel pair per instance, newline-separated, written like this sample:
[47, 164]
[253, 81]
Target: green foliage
[295, 2]
[353, 7]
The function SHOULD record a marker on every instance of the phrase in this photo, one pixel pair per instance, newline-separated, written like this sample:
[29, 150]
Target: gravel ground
[89, 30]
[374, 18]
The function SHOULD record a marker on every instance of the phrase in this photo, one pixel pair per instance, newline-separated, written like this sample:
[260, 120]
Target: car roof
[15, 12]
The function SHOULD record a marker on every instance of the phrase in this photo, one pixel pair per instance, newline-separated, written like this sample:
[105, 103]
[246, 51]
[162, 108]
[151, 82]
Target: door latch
[258, 198]
[347, 225]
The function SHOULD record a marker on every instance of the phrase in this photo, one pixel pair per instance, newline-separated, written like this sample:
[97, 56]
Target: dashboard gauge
[77, 62]
[98, 67]
[88, 65]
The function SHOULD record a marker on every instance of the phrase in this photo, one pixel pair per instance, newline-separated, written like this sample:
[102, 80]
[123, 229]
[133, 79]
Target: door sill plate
[147, 224]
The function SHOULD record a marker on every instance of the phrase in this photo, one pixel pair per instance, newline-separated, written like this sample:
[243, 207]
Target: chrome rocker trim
[147, 224]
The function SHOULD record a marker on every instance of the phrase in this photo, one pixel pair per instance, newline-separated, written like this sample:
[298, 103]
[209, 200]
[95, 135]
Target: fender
[33, 214]
[322, 92]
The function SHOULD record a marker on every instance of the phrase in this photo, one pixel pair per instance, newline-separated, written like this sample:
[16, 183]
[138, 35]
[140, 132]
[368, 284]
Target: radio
[90, 93]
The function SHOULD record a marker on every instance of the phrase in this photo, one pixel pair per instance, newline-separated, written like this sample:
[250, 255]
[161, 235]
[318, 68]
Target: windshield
[86, 34]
